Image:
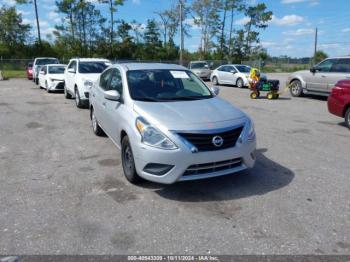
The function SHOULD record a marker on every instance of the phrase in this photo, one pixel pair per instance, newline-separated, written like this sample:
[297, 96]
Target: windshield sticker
[179, 74]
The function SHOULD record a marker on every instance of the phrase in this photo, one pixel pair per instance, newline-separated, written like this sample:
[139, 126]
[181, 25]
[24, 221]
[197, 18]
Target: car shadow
[265, 177]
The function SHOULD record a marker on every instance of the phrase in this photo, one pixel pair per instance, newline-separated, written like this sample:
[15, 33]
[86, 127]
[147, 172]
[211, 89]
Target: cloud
[136, 2]
[346, 30]
[8, 2]
[287, 20]
[53, 16]
[190, 22]
[23, 13]
[27, 21]
[300, 32]
[242, 21]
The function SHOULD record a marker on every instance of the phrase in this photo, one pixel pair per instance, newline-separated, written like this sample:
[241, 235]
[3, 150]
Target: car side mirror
[215, 90]
[313, 70]
[112, 95]
[233, 72]
[71, 70]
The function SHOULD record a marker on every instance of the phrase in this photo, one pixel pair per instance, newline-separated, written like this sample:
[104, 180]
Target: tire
[270, 96]
[215, 81]
[47, 88]
[347, 117]
[295, 88]
[240, 83]
[36, 81]
[77, 99]
[66, 94]
[128, 162]
[95, 125]
[254, 95]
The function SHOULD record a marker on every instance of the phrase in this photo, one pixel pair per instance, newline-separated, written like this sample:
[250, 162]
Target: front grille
[204, 142]
[60, 86]
[207, 168]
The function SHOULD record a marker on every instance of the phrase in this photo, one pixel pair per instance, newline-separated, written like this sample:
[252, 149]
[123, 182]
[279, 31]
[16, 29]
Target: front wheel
[78, 101]
[66, 94]
[239, 83]
[296, 89]
[47, 87]
[128, 162]
[347, 118]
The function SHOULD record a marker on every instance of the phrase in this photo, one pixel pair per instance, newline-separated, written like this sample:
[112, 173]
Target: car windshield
[56, 69]
[199, 65]
[92, 67]
[46, 61]
[166, 85]
[243, 68]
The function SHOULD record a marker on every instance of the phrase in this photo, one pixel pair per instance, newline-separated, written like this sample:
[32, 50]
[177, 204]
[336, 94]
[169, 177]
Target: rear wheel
[215, 81]
[270, 96]
[347, 117]
[95, 126]
[239, 83]
[296, 89]
[128, 162]
[254, 95]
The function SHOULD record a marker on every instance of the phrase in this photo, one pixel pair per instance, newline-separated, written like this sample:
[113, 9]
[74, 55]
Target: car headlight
[88, 84]
[251, 131]
[152, 136]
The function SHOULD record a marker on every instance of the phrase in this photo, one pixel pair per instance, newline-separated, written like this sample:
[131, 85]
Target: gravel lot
[62, 190]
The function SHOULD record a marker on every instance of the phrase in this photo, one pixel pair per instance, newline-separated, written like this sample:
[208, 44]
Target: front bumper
[56, 85]
[190, 166]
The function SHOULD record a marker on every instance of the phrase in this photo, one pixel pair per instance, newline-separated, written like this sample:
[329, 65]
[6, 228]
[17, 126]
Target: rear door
[339, 71]
[318, 81]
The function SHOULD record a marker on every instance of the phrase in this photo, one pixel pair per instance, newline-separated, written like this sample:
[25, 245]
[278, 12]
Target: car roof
[193, 62]
[45, 58]
[339, 57]
[145, 66]
[91, 59]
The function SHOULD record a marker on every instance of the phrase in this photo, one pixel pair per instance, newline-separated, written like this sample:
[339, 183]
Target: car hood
[90, 77]
[198, 114]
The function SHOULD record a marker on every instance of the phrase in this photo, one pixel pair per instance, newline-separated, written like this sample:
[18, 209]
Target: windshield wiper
[186, 98]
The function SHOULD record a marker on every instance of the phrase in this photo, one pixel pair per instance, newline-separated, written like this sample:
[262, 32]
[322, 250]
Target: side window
[116, 81]
[221, 68]
[341, 66]
[231, 69]
[325, 66]
[104, 79]
[73, 65]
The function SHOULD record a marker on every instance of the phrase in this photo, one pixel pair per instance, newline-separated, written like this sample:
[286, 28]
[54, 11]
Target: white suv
[79, 77]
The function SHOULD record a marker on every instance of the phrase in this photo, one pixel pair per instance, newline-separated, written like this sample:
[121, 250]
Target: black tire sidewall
[130, 174]
[347, 115]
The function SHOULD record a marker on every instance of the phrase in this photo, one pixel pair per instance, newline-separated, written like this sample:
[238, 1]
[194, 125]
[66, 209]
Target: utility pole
[315, 51]
[181, 33]
[37, 21]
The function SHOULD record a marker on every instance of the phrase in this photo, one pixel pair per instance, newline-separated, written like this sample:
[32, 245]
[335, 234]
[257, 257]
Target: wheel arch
[303, 83]
[346, 107]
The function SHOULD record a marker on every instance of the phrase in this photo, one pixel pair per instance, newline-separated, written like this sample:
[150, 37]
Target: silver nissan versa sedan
[169, 125]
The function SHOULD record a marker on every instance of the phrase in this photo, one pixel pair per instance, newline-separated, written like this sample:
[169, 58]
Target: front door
[69, 76]
[113, 109]
[317, 81]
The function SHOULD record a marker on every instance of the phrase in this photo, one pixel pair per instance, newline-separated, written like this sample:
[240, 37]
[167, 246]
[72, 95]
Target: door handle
[104, 103]
[323, 75]
[93, 94]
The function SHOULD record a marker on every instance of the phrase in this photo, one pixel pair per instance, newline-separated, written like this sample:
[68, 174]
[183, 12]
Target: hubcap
[295, 88]
[239, 83]
[129, 160]
[76, 97]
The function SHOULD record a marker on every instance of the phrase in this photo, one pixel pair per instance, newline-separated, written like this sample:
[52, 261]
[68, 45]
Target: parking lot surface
[62, 189]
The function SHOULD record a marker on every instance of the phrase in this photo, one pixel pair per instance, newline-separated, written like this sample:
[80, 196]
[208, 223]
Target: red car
[339, 100]
[29, 70]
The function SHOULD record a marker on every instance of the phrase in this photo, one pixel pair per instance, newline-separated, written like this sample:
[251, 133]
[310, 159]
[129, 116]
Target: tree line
[85, 31]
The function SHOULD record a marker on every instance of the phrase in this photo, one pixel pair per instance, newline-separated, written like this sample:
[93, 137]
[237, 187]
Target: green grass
[14, 74]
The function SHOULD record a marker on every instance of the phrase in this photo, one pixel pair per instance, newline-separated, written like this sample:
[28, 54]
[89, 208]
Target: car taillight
[337, 90]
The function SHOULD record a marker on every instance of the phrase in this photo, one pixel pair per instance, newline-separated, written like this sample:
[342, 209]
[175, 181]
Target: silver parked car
[320, 79]
[169, 125]
[200, 68]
